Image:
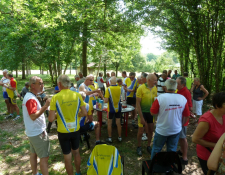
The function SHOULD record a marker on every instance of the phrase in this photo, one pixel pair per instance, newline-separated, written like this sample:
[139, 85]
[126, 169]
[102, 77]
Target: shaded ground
[14, 148]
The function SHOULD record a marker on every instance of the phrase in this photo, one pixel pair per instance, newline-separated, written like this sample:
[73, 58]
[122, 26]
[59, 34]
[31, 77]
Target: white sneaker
[144, 138]
[144, 134]
[120, 139]
[109, 139]
[17, 117]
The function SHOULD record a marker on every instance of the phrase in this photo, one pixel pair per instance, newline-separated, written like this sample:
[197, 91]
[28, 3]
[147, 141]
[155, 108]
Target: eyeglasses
[91, 80]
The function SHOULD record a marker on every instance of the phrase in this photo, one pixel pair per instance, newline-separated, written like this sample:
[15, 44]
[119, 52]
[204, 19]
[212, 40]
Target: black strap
[208, 149]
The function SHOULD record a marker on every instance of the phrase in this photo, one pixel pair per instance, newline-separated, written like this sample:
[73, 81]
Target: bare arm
[41, 111]
[138, 107]
[184, 120]
[9, 87]
[213, 161]
[205, 92]
[83, 111]
[106, 100]
[199, 133]
[52, 116]
[82, 88]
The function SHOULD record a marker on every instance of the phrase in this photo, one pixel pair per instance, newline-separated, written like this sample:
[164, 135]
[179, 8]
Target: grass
[14, 145]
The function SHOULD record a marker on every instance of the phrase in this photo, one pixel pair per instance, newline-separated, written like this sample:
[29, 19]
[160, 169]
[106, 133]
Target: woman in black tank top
[199, 94]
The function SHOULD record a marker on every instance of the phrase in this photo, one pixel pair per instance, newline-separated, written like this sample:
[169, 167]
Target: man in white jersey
[101, 82]
[161, 88]
[89, 93]
[6, 81]
[35, 126]
[170, 108]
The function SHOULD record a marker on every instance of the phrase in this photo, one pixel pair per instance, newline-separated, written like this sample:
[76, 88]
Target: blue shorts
[5, 95]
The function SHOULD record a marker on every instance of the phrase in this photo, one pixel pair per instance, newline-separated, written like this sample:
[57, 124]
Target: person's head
[218, 101]
[9, 75]
[164, 76]
[143, 77]
[165, 72]
[80, 74]
[5, 72]
[151, 80]
[171, 85]
[175, 72]
[89, 80]
[113, 80]
[107, 75]
[63, 82]
[169, 72]
[113, 74]
[185, 74]
[181, 82]
[132, 76]
[124, 74]
[77, 77]
[119, 81]
[100, 74]
[83, 95]
[196, 81]
[36, 84]
[139, 79]
[27, 85]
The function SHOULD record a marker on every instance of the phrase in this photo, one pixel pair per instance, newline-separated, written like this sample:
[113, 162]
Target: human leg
[68, 163]
[109, 127]
[158, 143]
[149, 130]
[77, 159]
[7, 105]
[33, 163]
[97, 131]
[118, 117]
[44, 165]
[172, 142]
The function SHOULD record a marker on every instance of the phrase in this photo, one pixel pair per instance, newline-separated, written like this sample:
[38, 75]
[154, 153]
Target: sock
[18, 115]
[11, 114]
[97, 141]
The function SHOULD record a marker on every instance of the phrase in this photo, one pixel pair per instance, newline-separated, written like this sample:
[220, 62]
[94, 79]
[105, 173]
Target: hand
[18, 95]
[142, 121]
[47, 103]
[199, 98]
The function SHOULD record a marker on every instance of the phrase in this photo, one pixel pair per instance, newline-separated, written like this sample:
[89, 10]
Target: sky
[151, 44]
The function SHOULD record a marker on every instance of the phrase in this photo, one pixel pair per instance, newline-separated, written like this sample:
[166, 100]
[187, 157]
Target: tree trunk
[70, 68]
[23, 69]
[64, 72]
[99, 64]
[16, 73]
[84, 50]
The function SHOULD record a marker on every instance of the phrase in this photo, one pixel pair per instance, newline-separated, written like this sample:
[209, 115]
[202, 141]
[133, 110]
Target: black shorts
[148, 117]
[86, 127]
[131, 101]
[68, 141]
[117, 115]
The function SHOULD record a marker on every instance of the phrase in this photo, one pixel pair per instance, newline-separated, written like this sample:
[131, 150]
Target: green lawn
[14, 145]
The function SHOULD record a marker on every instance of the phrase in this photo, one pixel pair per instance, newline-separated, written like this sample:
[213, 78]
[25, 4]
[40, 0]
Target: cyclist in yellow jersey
[112, 97]
[144, 100]
[12, 92]
[89, 93]
[131, 87]
[67, 104]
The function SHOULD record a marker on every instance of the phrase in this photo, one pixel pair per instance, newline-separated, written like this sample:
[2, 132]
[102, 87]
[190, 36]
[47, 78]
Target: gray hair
[89, 76]
[5, 70]
[171, 85]
[113, 79]
[83, 95]
[33, 79]
[65, 80]
[182, 80]
[139, 77]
